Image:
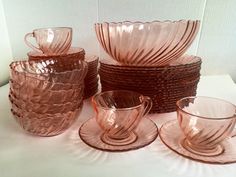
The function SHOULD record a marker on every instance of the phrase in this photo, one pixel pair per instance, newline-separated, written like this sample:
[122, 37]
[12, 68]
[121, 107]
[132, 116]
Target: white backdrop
[5, 48]
[215, 43]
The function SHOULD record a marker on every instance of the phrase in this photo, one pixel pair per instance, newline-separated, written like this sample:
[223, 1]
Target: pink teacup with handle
[51, 41]
[118, 113]
[206, 122]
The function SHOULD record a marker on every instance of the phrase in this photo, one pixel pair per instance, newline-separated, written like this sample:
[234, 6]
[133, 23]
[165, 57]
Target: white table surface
[23, 155]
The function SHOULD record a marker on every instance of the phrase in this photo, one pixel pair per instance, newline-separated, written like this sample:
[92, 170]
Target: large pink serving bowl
[146, 43]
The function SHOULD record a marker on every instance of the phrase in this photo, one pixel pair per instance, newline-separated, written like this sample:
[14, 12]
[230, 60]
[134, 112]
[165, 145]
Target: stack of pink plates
[91, 79]
[164, 84]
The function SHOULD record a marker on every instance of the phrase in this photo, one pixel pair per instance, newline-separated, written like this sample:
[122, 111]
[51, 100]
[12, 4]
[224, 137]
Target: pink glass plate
[90, 133]
[113, 65]
[171, 136]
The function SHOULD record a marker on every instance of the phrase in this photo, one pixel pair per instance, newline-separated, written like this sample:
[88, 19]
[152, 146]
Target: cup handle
[148, 105]
[85, 70]
[233, 133]
[28, 35]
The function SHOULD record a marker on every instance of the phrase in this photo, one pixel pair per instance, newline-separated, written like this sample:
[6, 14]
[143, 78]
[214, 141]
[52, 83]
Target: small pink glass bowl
[118, 113]
[40, 108]
[205, 122]
[146, 43]
[49, 70]
[45, 124]
[45, 95]
[32, 83]
[51, 41]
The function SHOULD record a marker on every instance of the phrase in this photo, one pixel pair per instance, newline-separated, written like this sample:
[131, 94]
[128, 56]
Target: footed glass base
[119, 142]
[202, 151]
[92, 135]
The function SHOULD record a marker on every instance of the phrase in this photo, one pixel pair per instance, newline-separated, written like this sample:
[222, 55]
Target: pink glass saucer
[73, 53]
[171, 135]
[91, 134]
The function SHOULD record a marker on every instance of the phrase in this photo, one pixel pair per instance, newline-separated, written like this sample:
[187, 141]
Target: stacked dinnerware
[46, 97]
[53, 43]
[59, 48]
[91, 79]
[164, 84]
[149, 58]
[46, 92]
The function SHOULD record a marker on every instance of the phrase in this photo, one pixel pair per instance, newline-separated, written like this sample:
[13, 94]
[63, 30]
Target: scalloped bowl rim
[147, 22]
[36, 76]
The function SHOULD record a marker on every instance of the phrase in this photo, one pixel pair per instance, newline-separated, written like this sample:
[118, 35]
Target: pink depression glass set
[47, 95]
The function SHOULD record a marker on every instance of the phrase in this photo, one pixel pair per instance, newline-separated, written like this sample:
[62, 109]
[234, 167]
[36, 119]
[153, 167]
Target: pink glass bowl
[45, 124]
[49, 70]
[118, 113]
[40, 108]
[31, 82]
[146, 44]
[45, 95]
[206, 122]
[51, 41]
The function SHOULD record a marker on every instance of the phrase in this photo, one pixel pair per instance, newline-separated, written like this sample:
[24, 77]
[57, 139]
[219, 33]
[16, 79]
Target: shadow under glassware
[118, 113]
[51, 41]
[206, 122]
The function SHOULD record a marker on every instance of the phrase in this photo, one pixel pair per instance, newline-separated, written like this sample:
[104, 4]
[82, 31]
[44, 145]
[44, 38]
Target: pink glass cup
[51, 41]
[118, 113]
[205, 122]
